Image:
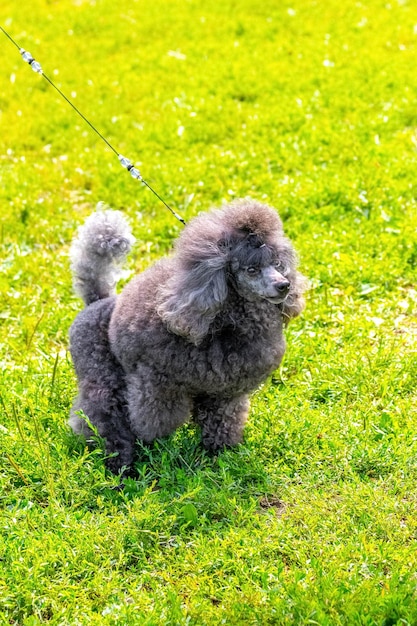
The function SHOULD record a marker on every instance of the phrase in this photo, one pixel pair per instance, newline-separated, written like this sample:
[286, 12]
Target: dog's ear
[193, 296]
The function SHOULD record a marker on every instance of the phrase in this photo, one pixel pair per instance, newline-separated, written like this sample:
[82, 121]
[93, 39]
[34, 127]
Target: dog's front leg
[222, 420]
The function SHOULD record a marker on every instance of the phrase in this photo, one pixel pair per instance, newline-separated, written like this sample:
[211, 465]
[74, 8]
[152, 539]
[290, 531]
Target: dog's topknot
[209, 234]
[253, 217]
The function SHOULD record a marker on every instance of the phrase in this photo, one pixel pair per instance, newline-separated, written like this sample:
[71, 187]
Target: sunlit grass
[310, 107]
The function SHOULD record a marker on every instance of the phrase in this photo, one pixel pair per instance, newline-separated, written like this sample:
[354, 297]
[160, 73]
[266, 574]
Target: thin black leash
[125, 162]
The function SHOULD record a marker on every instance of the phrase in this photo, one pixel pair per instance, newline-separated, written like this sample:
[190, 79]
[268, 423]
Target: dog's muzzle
[279, 287]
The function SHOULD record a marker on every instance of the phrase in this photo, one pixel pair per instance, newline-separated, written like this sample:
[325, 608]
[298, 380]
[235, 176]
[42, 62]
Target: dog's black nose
[282, 287]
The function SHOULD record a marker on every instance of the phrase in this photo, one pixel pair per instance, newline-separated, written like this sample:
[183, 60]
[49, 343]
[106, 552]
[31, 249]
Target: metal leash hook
[134, 172]
[125, 162]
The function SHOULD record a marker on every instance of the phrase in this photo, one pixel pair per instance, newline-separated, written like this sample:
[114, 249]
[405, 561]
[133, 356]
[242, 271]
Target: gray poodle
[191, 336]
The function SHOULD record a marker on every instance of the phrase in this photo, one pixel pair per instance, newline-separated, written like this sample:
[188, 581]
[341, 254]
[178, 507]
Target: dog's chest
[230, 362]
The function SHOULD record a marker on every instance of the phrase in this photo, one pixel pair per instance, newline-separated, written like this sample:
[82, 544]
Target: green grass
[311, 107]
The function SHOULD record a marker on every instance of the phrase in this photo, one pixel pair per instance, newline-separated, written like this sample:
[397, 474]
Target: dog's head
[260, 270]
[240, 249]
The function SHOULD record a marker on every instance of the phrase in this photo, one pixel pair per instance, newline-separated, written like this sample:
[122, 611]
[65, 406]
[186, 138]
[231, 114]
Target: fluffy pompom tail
[97, 253]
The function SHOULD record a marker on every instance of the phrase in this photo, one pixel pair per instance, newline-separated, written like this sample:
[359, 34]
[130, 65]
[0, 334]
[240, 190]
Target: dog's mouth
[276, 299]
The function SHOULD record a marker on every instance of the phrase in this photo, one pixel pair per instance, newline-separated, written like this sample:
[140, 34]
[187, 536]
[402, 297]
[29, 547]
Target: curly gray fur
[97, 253]
[191, 337]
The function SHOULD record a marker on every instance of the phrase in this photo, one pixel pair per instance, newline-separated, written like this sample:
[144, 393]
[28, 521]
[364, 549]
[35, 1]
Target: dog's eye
[252, 271]
[280, 267]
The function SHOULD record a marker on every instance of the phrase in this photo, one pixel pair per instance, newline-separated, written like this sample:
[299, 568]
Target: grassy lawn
[309, 106]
